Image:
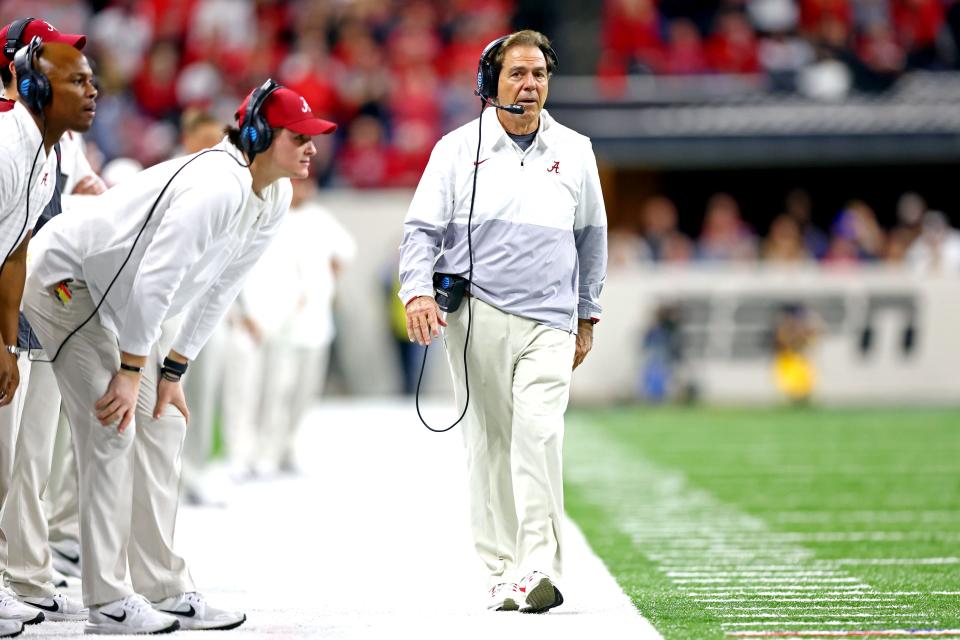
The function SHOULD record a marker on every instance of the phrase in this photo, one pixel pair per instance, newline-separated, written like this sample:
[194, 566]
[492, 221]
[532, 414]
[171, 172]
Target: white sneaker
[66, 557]
[59, 580]
[194, 613]
[539, 593]
[10, 628]
[505, 596]
[132, 614]
[58, 608]
[12, 609]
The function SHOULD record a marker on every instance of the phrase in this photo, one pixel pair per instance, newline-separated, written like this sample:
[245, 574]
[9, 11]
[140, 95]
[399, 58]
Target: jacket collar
[495, 136]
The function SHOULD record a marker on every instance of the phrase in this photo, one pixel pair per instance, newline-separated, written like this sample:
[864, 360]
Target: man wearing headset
[59, 96]
[537, 226]
[37, 400]
[103, 287]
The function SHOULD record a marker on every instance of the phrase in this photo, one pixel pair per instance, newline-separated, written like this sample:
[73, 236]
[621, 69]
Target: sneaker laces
[135, 603]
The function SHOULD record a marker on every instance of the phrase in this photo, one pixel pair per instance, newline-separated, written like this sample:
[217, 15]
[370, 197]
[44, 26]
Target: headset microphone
[515, 109]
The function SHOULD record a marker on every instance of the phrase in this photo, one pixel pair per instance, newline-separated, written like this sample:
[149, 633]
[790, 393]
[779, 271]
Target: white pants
[24, 523]
[9, 426]
[62, 496]
[202, 385]
[129, 482]
[519, 374]
[292, 380]
[242, 378]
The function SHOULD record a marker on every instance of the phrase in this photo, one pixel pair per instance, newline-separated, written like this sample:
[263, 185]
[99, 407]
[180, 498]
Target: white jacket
[207, 231]
[19, 142]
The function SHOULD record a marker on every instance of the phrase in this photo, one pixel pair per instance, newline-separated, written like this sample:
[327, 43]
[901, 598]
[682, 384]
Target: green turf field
[731, 523]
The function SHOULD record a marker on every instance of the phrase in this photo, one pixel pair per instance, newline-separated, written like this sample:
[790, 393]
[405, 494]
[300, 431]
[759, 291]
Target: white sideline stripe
[373, 541]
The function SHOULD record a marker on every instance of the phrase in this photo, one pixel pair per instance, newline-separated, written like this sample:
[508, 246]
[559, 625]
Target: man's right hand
[120, 400]
[423, 319]
[9, 377]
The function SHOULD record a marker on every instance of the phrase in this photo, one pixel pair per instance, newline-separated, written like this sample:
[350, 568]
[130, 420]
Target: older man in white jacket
[102, 287]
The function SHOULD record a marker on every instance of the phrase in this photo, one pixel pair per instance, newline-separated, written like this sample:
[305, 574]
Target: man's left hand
[584, 341]
[169, 392]
[91, 185]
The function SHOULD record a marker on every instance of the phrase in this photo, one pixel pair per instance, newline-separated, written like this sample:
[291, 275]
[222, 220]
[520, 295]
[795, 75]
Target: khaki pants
[519, 373]
[61, 498]
[131, 477]
[24, 523]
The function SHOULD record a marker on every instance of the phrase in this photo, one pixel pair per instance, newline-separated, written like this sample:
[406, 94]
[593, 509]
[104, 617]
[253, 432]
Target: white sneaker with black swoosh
[12, 609]
[131, 615]
[10, 628]
[66, 557]
[193, 612]
[58, 608]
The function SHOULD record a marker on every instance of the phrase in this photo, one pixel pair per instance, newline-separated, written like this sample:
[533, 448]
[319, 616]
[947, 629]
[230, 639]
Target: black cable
[130, 253]
[466, 341]
[26, 216]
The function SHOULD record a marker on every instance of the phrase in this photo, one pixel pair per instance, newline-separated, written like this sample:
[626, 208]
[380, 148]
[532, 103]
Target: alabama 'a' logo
[555, 168]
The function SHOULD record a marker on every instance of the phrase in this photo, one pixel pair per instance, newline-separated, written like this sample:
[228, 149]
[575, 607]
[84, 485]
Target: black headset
[487, 71]
[32, 84]
[14, 34]
[256, 134]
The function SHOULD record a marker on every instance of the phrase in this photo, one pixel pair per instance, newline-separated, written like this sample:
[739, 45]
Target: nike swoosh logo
[73, 559]
[117, 618]
[477, 164]
[186, 614]
[52, 608]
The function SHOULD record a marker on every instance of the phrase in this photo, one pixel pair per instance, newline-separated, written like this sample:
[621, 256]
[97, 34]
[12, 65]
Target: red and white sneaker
[505, 596]
[539, 593]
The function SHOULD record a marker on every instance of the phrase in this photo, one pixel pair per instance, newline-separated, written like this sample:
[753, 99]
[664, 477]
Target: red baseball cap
[288, 109]
[42, 29]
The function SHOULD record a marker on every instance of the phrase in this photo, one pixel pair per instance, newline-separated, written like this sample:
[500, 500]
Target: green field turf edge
[772, 463]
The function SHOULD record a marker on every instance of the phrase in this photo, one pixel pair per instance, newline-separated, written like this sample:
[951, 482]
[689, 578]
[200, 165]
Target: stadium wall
[886, 336]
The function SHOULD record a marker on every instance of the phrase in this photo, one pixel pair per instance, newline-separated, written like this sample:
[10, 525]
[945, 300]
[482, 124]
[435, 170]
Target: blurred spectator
[625, 249]
[664, 241]
[917, 23]
[725, 236]
[784, 242]
[795, 330]
[733, 46]
[631, 37]
[799, 206]
[199, 130]
[662, 355]
[366, 161]
[685, 52]
[155, 86]
[858, 223]
[937, 248]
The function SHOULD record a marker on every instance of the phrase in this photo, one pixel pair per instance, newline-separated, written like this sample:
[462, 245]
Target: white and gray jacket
[539, 224]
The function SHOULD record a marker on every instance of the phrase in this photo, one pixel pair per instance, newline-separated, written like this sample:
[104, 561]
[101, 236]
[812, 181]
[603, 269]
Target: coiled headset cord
[466, 342]
[130, 253]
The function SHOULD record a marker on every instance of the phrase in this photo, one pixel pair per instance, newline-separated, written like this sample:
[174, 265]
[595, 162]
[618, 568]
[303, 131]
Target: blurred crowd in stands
[394, 75]
[871, 41]
[922, 239]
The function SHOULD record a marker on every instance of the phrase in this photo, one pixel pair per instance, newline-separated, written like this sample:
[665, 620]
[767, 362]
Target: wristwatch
[12, 348]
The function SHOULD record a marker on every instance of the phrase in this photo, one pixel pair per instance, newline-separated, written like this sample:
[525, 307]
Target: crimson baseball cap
[42, 29]
[288, 109]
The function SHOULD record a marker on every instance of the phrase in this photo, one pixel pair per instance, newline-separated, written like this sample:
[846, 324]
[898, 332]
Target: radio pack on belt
[449, 290]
